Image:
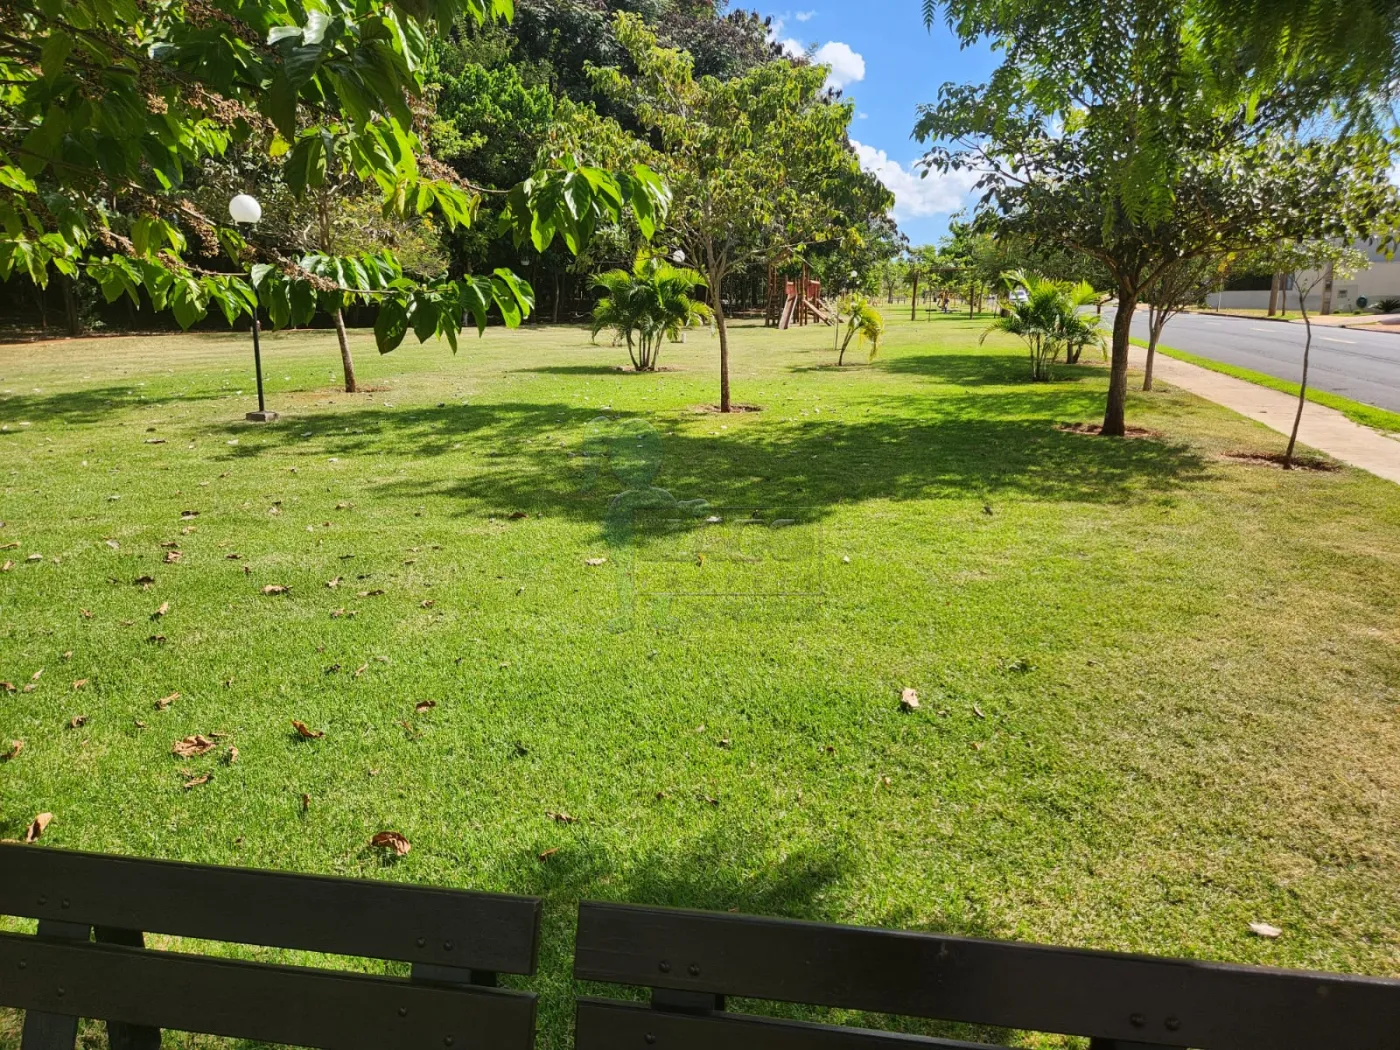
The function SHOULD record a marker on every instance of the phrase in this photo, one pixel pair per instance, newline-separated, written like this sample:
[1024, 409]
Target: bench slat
[380, 920]
[606, 1024]
[1131, 998]
[276, 1004]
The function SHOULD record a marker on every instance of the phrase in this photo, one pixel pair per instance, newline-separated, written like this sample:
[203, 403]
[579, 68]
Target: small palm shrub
[864, 322]
[1388, 305]
[648, 304]
[1049, 320]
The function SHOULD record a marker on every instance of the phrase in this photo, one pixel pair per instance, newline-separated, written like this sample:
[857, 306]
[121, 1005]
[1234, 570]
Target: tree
[863, 320]
[110, 105]
[920, 264]
[1307, 264]
[1048, 319]
[1183, 283]
[758, 165]
[650, 303]
[1113, 137]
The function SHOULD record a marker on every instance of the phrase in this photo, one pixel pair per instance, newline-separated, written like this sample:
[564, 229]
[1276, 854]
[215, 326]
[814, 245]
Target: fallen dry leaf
[166, 701]
[231, 756]
[80, 683]
[909, 700]
[143, 581]
[333, 583]
[36, 829]
[562, 818]
[16, 746]
[114, 545]
[194, 782]
[171, 557]
[35, 557]
[156, 639]
[164, 608]
[424, 705]
[193, 746]
[233, 557]
[77, 721]
[549, 853]
[336, 614]
[370, 594]
[1263, 929]
[274, 588]
[977, 711]
[37, 675]
[305, 732]
[595, 561]
[391, 840]
[186, 515]
[976, 746]
[427, 603]
[516, 515]
[9, 687]
[86, 613]
[305, 802]
[68, 655]
[10, 546]
[7, 566]
[360, 670]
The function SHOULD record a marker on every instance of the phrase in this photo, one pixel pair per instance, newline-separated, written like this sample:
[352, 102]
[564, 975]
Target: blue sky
[884, 59]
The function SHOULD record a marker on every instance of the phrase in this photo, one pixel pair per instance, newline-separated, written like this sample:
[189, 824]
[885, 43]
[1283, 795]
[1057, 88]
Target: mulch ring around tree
[1275, 460]
[1095, 429]
[734, 407]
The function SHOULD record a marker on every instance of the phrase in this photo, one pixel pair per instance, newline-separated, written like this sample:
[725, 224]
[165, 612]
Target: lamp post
[246, 209]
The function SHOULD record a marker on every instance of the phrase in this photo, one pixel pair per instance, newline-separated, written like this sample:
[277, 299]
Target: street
[1364, 366]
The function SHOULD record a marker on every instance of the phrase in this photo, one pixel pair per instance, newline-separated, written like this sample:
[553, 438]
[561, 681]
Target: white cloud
[847, 66]
[805, 16]
[862, 115]
[793, 48]
[940, 193]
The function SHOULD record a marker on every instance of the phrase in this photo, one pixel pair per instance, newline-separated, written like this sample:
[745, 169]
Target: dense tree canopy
[112, 107]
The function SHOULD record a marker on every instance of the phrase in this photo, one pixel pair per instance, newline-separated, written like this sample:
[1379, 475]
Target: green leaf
[425, 317]
[391, 325]
[54, 53]
[280, 106]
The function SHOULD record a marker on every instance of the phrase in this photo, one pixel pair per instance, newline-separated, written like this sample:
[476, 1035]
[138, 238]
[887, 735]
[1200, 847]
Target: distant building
[1380, 280]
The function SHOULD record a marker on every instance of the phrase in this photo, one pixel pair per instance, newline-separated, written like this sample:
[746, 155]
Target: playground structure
[801, 301]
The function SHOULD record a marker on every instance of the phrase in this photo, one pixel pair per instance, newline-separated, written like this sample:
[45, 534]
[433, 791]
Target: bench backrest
[456, 942]
[691, 960]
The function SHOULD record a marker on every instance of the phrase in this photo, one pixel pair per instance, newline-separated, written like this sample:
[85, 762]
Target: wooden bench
[692, 960]
[88, 958]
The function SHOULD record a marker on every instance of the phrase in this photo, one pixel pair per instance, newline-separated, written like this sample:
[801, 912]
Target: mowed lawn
[1159, 691]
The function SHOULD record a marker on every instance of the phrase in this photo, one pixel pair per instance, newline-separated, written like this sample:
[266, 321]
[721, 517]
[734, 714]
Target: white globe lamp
[678, 255]
[244, 208]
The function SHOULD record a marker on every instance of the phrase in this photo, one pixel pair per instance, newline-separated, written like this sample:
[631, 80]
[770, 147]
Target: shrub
[647, 305]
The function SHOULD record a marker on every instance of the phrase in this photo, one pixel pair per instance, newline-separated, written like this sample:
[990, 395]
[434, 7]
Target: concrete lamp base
[262, 417]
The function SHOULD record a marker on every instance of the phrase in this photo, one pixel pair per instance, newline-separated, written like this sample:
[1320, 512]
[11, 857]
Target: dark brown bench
[692, 960]
[88, 958]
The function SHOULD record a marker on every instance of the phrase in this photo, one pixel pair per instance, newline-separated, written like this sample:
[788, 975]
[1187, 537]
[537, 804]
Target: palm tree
[1049, 319]
[650, 303]
[865, 321]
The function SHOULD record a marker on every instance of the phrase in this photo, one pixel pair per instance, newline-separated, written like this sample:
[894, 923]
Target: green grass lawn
[1159, 689]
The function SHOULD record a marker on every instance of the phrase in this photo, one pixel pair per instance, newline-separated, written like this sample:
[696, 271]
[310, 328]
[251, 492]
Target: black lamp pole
[262, 415]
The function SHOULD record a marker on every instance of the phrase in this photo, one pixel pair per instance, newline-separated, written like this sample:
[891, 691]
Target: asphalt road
[1364, 366]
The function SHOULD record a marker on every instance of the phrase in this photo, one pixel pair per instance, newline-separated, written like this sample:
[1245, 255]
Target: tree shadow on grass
[993, 368]
[582, 370]
[89, 405]
[529, 456]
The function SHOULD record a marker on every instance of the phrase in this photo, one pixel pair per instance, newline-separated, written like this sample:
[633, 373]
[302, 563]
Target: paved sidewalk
[1323, 428]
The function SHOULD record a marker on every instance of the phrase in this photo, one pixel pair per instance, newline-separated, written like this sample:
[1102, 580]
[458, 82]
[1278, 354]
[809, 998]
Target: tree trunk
[1114, 421]
[1154, 333]
[1327, 281]
[1273, 294]
[345, 359]
[914, 297]
[1302, 387]
[70, 307]
[723, 331]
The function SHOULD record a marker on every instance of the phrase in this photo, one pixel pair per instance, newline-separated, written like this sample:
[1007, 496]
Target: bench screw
[1137, 1020]
[24, 964]
[651, 1038]
[65, 902]
[422, 941]
[60, 993]
[447, 946]
[695, 969]
[447, 1040]
[403, 1011]
[43, 900]
[1173, 1024]
[665, 966]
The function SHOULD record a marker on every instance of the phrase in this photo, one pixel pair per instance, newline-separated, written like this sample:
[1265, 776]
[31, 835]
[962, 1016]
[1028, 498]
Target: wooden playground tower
[800, 303]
